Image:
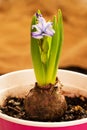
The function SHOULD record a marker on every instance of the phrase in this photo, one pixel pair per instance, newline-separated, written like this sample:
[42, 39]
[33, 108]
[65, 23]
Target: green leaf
[60, 40]
[36, 58]
[55, 50]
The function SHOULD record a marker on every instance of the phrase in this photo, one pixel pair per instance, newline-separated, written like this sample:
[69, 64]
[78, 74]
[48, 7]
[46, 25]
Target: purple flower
[43, 28]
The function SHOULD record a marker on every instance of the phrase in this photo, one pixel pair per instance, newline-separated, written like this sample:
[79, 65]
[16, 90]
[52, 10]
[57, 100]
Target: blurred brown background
[15, 20]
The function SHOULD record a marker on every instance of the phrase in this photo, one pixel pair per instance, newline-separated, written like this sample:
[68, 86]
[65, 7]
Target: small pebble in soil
[77, 108]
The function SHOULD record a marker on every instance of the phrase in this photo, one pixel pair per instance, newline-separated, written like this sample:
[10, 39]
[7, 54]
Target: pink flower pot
[18, 84]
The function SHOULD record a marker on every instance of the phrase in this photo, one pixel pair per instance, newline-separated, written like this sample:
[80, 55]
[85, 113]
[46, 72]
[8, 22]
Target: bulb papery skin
[48, 102]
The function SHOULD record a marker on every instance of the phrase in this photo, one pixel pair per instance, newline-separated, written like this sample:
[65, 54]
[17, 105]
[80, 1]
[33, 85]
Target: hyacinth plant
[46, 43]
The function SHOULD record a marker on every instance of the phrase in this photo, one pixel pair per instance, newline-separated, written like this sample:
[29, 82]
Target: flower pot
[18, 84]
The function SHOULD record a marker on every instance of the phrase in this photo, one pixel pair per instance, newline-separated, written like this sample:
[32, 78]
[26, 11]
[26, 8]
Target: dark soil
[77, 108]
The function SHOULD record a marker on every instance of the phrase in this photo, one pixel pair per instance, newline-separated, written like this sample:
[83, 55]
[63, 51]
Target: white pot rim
[60, 70]
[43, 124]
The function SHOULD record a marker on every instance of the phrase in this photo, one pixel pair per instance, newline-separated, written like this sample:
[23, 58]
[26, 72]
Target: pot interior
[19, 83]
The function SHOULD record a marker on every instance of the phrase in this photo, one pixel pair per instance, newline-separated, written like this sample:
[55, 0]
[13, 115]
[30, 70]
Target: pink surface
[6, 125]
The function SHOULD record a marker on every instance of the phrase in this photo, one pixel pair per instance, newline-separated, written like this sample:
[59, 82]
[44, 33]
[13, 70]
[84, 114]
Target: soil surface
[77, 108]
